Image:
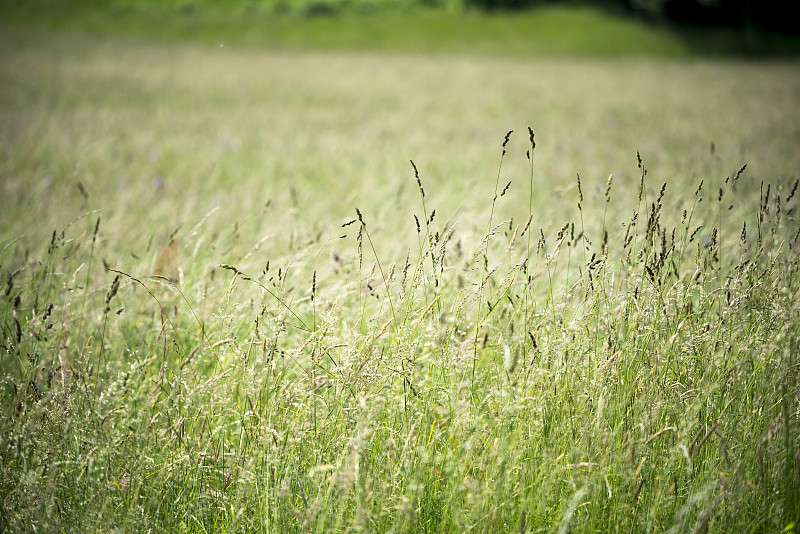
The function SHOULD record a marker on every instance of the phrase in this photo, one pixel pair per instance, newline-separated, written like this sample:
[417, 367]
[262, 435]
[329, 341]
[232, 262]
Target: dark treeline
[772, 15]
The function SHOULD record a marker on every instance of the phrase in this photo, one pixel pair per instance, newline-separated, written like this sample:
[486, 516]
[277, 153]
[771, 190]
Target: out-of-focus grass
[177, 129]
[555, 31]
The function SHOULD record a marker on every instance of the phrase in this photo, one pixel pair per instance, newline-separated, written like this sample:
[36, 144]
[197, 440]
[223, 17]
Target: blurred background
[704, 26]
[159, 112]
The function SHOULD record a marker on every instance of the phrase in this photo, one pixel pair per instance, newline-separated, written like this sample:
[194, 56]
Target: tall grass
[500, 375]
[201, 333]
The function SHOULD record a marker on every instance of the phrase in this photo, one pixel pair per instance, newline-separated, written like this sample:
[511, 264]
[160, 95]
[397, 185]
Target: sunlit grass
[201, 333]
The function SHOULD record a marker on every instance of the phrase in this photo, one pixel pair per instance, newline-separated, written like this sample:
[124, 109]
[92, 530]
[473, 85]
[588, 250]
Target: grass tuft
[653, 384]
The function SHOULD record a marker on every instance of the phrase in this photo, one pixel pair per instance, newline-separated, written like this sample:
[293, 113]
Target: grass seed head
[643, 170]
[699, 187]
[527, 225]
[608, 188]
[111, 293]
[419, 182]
[794, 189]
[505, 141]
[739, 173]
[96, 228]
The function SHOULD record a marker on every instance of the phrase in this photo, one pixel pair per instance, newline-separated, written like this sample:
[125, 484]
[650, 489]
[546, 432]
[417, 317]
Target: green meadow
[396, 274]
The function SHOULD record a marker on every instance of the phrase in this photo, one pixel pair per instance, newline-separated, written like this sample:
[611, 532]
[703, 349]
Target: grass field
[228, 305]
[552, 31]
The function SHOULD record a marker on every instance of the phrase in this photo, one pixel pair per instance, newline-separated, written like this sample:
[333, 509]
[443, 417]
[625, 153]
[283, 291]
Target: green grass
[201, 334]
[556, 31]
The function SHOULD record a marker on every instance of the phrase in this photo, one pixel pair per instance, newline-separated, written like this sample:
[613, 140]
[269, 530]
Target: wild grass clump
[599, 375]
